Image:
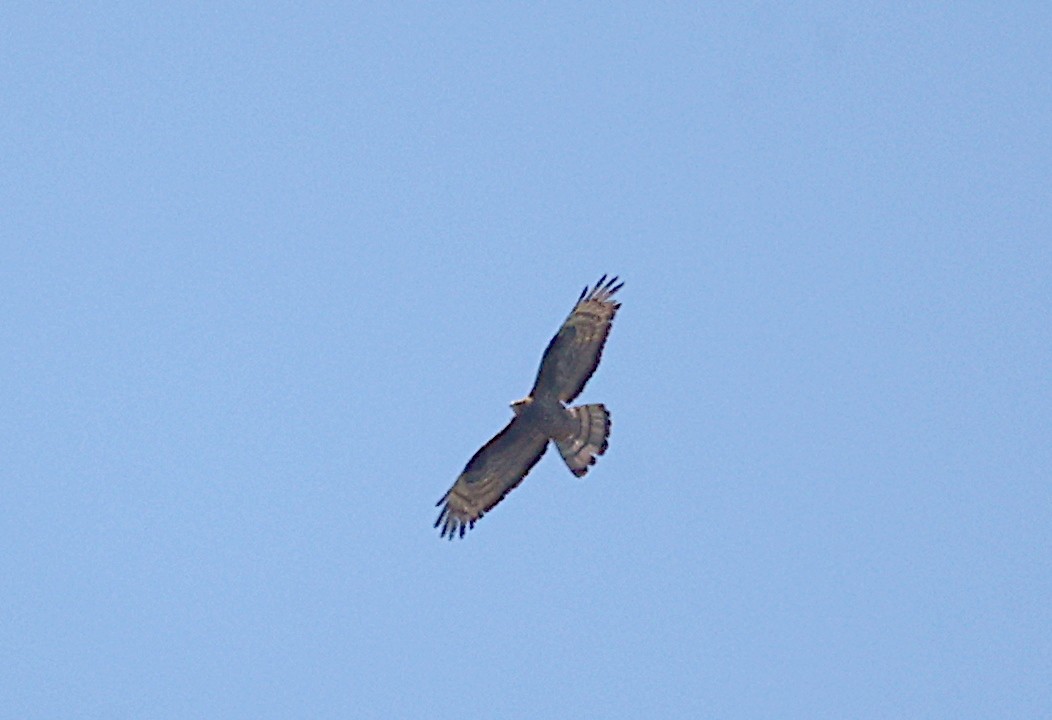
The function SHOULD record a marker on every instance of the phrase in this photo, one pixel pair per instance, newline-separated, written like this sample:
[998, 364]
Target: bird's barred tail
[589, 439]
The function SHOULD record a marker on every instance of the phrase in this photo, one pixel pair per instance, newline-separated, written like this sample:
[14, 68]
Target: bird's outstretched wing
[573, 354]
[494, 471]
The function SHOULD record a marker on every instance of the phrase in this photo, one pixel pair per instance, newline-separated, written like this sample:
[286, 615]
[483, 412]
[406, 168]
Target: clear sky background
[271, 273]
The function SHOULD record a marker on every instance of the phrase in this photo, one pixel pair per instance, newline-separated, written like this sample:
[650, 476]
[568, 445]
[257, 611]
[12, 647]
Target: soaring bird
[580, 432]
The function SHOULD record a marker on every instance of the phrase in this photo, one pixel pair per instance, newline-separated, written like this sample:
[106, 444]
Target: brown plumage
[580, 433]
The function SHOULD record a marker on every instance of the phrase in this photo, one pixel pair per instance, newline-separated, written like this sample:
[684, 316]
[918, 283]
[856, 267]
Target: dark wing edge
[574, 353]
[494, 471]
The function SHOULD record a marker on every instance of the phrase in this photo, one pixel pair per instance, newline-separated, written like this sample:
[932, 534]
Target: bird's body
[580, 433]
[549, 416]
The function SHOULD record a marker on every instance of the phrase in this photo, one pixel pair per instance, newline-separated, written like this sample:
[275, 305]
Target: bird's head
[520, 405]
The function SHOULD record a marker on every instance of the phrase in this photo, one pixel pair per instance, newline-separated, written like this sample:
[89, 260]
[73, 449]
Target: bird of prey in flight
[580, 432]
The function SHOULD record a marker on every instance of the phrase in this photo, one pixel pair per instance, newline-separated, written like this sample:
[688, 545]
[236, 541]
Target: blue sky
[272, 273]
